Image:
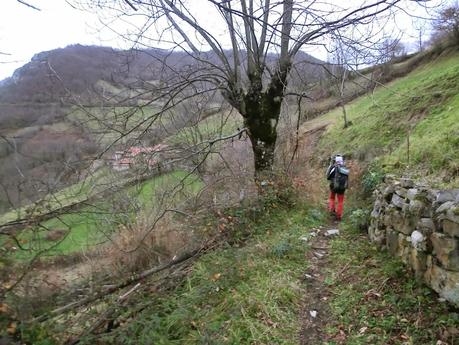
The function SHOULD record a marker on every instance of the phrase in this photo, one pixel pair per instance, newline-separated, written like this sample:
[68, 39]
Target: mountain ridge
[52, 76]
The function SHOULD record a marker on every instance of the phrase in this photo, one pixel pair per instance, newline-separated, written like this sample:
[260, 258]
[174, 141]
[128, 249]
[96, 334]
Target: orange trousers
[331, 204]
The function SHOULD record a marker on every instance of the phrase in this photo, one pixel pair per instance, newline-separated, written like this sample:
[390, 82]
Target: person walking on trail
[338, 175]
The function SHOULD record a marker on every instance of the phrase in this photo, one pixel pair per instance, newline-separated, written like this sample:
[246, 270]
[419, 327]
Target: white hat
[339, 160]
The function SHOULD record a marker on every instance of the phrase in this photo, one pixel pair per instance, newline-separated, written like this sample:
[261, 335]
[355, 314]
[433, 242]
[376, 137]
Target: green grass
[83, 233]
[425, 104]
[375, 300]
[247, 294]
[175, 187]
[212, 127]
[93, 224]
[65, 197]
[434, 142]
[101, 181]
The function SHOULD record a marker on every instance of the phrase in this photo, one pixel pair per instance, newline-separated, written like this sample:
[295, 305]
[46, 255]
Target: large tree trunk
[261, 111]
[263, 136]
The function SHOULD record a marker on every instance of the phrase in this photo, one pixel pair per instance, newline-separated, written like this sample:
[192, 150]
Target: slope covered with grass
[245, 293]
[409, 125]
[95, 223]
[250, 292]
[253, 290]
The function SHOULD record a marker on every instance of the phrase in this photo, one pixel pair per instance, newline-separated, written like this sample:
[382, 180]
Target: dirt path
[315, 313]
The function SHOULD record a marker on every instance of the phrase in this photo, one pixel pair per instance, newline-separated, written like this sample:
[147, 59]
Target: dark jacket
[342, 179]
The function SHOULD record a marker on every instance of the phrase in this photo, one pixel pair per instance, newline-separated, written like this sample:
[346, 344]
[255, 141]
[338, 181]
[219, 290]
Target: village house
[136, 156]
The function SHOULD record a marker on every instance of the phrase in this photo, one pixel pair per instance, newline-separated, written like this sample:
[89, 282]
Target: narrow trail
[315, 312]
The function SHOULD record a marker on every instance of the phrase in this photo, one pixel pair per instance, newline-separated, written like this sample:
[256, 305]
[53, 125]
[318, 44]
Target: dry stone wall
[421, 226]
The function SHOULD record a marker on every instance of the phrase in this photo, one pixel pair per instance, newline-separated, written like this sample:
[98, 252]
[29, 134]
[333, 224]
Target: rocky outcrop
[421, 226]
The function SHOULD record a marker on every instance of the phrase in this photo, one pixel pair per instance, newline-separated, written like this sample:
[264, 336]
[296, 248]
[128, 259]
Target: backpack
[339, 181]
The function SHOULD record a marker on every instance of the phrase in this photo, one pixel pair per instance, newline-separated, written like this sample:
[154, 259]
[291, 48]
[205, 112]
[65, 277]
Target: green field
[74, 194]
[95, 223]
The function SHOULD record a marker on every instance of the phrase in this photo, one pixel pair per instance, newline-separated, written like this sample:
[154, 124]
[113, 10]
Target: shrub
[371, 179]
[281, 248]
[360, 219]
[143, 244]
[277, 189]
[447, 23]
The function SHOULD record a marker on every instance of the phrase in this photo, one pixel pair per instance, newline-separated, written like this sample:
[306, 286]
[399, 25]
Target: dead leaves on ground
[12, 327]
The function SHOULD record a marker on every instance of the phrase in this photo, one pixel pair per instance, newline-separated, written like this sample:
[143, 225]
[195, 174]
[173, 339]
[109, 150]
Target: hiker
[338, 176]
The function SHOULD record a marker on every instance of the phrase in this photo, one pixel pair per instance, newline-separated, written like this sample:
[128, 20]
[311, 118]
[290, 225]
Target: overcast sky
[25, 31]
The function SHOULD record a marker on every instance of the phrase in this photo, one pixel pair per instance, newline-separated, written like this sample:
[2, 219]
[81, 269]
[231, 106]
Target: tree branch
[28, 5]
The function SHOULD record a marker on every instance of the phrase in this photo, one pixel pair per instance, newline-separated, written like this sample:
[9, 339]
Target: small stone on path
[332, 232]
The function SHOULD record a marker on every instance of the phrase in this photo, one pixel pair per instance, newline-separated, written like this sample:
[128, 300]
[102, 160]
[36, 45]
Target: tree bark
[261, 110]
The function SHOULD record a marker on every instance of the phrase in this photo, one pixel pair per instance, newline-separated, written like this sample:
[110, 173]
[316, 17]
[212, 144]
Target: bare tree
[390, 48]
[248, 76]
[421, 29]
[341, 57]
[447, 23]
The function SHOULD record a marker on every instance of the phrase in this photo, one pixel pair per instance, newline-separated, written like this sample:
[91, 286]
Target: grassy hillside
[424, 107]
[95, 222]
[244, 292]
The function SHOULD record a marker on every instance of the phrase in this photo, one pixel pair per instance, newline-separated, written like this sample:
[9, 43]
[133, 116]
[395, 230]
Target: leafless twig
[28, 5]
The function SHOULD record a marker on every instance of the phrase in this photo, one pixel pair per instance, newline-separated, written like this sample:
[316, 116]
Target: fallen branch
[125, 295]
[342, 270]
[104, 317]
[109, 316]
[115, 287]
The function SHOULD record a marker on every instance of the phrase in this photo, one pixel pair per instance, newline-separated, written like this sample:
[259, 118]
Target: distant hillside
[73, 72]
[60, 74]
[93, 75]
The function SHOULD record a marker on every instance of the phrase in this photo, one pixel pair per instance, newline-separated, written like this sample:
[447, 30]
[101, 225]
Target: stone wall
[421, 226]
